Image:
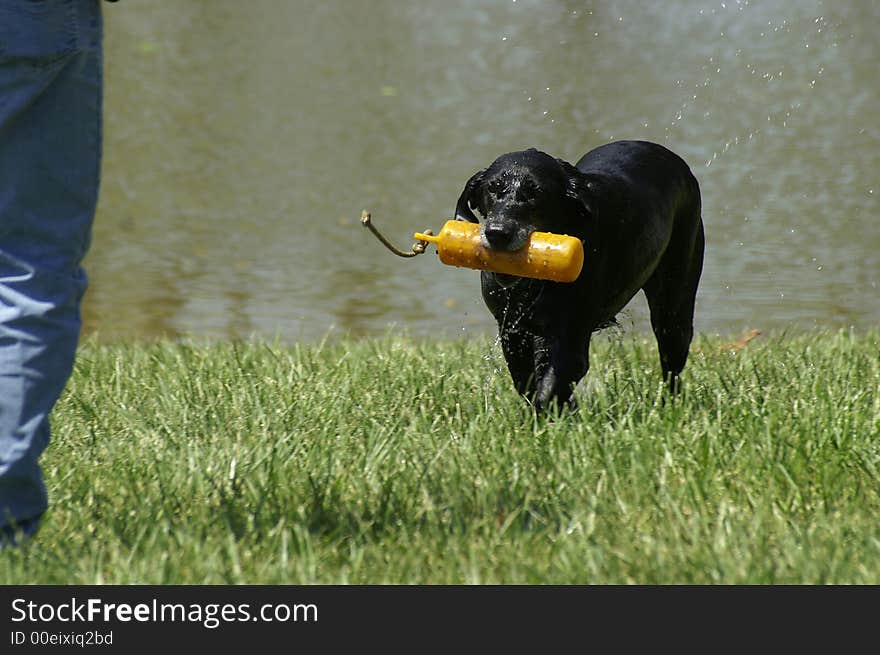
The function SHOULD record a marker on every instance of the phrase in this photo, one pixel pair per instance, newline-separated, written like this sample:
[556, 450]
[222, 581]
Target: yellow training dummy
[546, 256]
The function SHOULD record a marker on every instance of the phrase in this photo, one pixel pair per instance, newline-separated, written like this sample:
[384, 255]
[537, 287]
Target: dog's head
[524, 192]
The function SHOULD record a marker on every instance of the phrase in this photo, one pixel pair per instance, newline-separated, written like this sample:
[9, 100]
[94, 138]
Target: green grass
[398, 461]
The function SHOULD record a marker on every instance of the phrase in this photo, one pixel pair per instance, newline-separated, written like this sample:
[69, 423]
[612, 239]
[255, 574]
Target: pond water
[243, 139]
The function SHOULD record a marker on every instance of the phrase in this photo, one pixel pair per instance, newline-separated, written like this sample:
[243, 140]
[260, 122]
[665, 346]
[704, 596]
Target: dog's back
[643, 172]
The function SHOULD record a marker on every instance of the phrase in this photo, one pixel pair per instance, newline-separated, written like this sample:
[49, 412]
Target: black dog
[636, 207]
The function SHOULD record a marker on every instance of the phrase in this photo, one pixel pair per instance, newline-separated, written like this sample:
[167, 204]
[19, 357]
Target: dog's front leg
[519, 353]
[560, 363]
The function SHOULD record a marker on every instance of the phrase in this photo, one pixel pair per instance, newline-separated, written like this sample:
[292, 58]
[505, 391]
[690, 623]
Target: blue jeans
[50, 149]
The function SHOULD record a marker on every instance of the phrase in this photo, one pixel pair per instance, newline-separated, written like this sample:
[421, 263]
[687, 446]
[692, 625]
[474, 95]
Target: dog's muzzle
[504, 235]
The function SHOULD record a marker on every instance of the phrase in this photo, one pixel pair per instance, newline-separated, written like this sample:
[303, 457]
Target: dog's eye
[527, 190]
[497, 187]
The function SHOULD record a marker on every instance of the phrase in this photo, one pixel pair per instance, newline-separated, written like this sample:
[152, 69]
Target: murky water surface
[244, 138]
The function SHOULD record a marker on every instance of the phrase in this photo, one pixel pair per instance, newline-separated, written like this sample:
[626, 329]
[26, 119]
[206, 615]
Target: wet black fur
[636, 207]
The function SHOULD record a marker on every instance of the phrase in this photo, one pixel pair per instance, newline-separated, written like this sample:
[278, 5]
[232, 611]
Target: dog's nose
[497, 236]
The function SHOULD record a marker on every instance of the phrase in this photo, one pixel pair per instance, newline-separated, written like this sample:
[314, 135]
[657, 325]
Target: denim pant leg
[50, 142]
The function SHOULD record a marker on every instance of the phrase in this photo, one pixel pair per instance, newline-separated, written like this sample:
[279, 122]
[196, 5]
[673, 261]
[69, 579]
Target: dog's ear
[578, 189]
[579, 192]
[470, 197]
